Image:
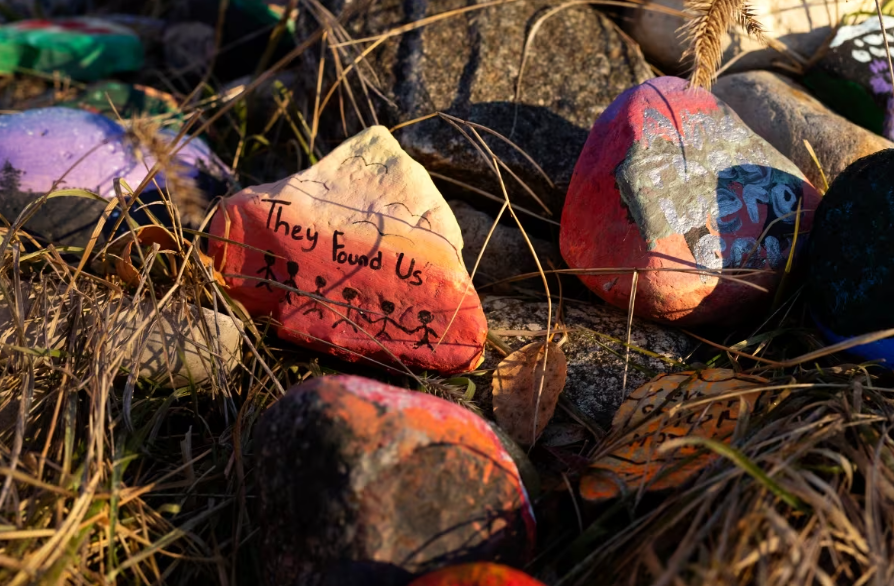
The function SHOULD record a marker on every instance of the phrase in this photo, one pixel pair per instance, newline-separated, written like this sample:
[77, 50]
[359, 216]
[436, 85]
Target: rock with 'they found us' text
[358, 256]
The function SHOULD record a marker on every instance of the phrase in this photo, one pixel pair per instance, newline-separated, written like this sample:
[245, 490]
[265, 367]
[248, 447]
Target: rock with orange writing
[359, 256]
[480, 574]
[704, 404]
[365, 483]
[672, 182]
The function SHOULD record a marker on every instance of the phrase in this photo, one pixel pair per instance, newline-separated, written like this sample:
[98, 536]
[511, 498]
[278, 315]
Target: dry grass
[704, 33]
[804, 497]
[108, 478]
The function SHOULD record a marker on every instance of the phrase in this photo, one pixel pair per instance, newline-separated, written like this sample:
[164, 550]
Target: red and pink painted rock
[358, 256]
[671, 178]
[365, 483]
[480, 574]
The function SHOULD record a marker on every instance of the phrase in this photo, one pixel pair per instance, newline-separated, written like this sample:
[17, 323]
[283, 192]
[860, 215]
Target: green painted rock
[86, 49]
[128, 100]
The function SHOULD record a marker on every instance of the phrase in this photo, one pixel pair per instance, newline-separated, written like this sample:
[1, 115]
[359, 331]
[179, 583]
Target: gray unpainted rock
[784, 114]
[189, 46]
[468, 66]
[595, 375]
[507, 253]
[62, 221]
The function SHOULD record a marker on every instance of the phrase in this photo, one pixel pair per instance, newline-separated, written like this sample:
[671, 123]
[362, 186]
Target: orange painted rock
[480, 574]
[671, 178]
[364, 483]
[357, 256]
[652, 415]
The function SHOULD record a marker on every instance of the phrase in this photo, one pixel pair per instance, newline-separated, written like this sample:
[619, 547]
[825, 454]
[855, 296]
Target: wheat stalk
[704, 33]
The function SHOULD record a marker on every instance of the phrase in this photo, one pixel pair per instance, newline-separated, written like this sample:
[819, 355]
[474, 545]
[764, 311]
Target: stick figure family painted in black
[350, 296]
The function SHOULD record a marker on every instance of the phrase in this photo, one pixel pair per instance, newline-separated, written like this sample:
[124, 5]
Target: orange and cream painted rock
[480, 574]
[365, 483]
[703, 404]
[357, 256]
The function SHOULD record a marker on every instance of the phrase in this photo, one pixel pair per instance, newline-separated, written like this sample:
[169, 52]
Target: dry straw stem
[704, 33]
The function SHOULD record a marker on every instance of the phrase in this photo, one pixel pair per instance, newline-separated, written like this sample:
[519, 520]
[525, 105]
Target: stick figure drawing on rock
[387, 308]
[267, 269]
[425, 318]
[349, 296]
[320, 282]
[292, 268]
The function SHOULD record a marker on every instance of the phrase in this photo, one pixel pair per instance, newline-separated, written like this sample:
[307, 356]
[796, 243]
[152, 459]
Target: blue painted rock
[358, 256]
[68, 148]
[365, 483]
[853, 77]
[851, 256]
[86, 49]
[671, 179]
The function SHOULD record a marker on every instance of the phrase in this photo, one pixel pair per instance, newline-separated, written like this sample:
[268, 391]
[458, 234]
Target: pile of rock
[685, 206]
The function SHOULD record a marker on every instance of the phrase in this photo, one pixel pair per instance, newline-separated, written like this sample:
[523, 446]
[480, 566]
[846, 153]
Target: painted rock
[171, 348]
[670, 179]
[71, 148]
[480, 574]
[175, 350]
[853, 77]
[129, 101]
[851, 256]
[86, 49]
[364, 483]
[370, 253]
[797, 117]
[638, 431]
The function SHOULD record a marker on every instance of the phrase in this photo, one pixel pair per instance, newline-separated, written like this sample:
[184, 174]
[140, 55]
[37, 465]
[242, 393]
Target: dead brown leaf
[516, 384]
[168, 245]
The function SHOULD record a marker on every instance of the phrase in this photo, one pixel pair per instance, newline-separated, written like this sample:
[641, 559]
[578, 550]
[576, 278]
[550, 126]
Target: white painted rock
[197, 343]
[373, 250]
[182, 334]
[800, 26]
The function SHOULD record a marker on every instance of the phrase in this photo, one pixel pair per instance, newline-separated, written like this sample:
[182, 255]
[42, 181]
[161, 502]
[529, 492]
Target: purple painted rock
[671, 178]
[365, 483]
[363, 259]
[76, 149]
[67, 148]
